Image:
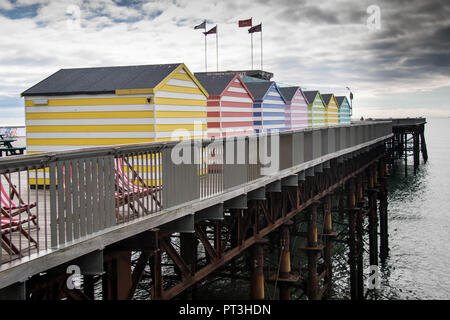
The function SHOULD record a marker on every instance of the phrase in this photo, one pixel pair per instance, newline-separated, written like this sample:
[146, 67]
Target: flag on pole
[257, 28]
[245, 23]
[201, 26]
[211, 31]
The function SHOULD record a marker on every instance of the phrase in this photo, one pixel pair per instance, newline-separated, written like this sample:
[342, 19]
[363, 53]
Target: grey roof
[310, 96]
[340, 99]
[258, 89]
[326, 97]
[288, 92]
[214, 84]
[101, 79]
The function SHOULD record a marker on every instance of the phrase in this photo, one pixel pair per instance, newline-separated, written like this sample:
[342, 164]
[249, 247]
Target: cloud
[324, 45]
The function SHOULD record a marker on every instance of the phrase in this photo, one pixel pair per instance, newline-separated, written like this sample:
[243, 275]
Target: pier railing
[52, 200]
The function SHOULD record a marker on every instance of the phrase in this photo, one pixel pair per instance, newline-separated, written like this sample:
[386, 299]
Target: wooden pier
[408, 141]
[201, 215]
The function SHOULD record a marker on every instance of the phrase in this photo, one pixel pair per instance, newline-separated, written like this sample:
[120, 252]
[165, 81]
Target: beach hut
[229, 106]
[86, 107]
[316, 109]
[344, 110]
[296, 109]
[331, 109]
[268, 107]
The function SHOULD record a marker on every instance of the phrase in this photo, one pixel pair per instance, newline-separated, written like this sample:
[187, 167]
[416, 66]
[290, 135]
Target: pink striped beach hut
[296, 109]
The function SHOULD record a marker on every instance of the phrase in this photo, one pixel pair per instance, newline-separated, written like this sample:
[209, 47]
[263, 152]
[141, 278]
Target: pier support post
[353, 255]
[284, 278]
[257, 279]
[423, 145]
[285, 263]
[157, 278]
[360, 253]
[188, 251]
[416, 150]
[329, 235]
[373, 220]
[382, 196]
[359, 235]
[117, 278]
[405, 139]
[313, 252]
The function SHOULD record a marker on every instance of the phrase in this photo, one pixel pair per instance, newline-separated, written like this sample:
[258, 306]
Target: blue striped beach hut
[269, 106]
[344, 110]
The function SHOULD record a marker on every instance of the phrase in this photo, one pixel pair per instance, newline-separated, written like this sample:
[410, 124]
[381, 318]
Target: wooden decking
[39, 232]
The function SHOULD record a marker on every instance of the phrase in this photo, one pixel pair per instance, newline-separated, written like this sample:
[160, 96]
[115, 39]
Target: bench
[12, 151]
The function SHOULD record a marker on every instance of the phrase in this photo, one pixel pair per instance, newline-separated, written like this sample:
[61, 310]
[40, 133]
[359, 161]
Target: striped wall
[296, 112]
[77, 121]
[269, 113]
[344, 113]
[179, 105]
[316, 113]
[332, 112]
[231, 113]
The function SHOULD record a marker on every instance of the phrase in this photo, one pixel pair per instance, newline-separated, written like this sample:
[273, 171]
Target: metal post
[261, 49]
[416, 150]
[329, 235]
[157, 278]
[382, 196]
[373, 221]
[206, 56]
[285, 276]
[251, 36]
[351, 198]
[360, 252]
[217, 48]
[188, 251]
[423, 145]
[257, 279]
[406, 154]
[313, 280]
[117, 278]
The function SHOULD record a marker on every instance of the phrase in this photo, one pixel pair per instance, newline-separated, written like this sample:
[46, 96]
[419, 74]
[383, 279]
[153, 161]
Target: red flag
[211, 31]
[257, 28]
[245, 23]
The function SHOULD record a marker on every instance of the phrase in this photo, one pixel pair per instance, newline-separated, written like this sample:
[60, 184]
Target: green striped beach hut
[316, 109]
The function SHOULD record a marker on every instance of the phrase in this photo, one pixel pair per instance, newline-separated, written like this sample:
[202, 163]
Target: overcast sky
[399, 67]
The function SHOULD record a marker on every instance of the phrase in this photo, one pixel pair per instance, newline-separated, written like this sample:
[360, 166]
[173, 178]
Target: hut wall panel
[344, 113]
[236, 107]
[296, 112]
[316, 113]
[270, 114]
[180, 109]
[332, 113]
[77, 121]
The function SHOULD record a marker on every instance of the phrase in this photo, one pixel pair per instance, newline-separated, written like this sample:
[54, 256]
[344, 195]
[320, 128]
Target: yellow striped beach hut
[331, 109]
[88, 107]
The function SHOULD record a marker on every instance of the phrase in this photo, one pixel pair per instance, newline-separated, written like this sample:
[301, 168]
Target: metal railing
[50, 200]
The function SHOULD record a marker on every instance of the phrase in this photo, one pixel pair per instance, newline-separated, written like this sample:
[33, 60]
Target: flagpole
[252, 47]
[217, 48]
[261, 49]
[206, 57]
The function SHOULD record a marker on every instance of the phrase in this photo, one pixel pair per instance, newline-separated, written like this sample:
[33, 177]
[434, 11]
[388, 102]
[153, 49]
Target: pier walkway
[93, 207]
